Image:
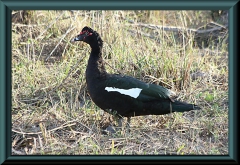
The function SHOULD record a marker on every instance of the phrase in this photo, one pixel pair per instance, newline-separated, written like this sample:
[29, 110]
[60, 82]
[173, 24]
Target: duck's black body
[123, 95]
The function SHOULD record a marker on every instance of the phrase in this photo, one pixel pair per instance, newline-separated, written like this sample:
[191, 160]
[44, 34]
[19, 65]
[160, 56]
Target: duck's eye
[86, 33]
[83, 32]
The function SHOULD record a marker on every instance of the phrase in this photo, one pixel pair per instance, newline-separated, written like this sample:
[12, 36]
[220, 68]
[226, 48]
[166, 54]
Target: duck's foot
[110, 130]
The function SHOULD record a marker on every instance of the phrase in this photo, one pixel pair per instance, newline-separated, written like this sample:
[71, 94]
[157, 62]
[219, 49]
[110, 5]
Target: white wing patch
[133, 92]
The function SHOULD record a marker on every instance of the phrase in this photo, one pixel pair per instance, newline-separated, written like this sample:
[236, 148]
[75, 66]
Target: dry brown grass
[52, 112]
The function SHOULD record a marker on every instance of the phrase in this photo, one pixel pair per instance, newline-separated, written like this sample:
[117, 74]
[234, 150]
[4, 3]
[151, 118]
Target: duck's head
[88, 35]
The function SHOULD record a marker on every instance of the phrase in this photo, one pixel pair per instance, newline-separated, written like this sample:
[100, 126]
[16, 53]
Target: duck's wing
[137, 89]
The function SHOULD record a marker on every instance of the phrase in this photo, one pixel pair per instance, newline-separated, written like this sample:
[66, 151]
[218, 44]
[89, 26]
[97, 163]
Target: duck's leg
[128, 124]
[120, 125]
[120, 120]
[111, 129]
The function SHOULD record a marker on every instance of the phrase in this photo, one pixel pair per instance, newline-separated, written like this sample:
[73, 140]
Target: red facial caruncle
[86, 33]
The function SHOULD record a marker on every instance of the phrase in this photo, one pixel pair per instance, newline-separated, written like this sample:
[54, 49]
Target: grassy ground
[52, 112]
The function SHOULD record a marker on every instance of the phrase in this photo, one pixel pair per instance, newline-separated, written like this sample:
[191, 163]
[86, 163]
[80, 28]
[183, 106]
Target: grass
[52, 112]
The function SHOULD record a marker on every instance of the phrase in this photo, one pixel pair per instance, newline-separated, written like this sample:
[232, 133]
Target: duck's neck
[95, 68]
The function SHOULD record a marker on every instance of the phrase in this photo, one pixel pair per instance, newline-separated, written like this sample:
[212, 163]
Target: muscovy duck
[124, 96]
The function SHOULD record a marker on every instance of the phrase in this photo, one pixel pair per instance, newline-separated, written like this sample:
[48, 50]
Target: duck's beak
[79, 37]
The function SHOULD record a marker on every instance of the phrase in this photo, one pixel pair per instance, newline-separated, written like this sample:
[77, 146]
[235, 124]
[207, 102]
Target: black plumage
[121, 95]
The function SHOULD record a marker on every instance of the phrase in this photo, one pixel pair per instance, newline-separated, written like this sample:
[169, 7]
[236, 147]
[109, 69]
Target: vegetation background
[185, 51]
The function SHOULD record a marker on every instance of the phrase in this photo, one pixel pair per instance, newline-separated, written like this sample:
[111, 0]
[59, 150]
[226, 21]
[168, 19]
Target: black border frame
[6, 6]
